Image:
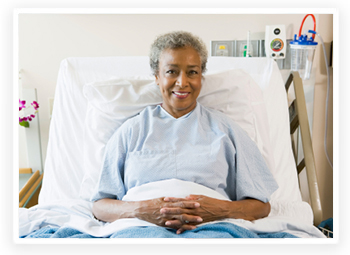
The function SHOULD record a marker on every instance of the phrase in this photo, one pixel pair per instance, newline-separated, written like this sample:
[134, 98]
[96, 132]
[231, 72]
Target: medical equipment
[222, 50]
[237, 48]
[303, 51]
[95, 95]
[247, 49]
[275, 41]
[302, 55]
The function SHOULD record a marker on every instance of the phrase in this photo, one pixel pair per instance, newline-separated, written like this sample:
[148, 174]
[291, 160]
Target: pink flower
[35, 105]
[22, 104]
[23, 119]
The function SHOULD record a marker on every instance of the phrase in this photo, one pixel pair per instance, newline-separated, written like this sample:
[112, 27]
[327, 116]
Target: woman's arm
[109, 210]
[249, 209]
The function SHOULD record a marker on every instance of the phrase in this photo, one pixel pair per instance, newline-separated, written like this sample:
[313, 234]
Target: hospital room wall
[46, 39]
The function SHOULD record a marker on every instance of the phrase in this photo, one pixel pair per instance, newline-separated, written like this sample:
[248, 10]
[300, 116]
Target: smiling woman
[180, 80]
[181, 139]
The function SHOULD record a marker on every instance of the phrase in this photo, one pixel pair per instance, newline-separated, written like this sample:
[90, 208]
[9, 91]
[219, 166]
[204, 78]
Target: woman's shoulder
[130, 126]
[141, 115]
[137, 121]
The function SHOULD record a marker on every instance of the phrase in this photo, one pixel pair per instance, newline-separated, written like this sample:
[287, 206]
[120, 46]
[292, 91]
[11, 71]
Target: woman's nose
[182, 80]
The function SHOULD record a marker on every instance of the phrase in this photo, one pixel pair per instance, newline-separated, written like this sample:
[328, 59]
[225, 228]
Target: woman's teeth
[180, 94]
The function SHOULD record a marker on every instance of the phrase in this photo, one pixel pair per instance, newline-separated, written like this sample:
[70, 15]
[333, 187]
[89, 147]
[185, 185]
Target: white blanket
[294, 218]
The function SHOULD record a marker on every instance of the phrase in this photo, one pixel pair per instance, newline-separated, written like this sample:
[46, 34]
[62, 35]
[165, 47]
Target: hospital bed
[94, 96]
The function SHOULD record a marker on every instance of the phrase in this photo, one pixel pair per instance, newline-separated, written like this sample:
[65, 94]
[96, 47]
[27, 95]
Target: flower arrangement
[24, 120]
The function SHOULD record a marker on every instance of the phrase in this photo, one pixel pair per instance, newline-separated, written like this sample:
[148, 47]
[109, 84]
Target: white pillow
[111, 102]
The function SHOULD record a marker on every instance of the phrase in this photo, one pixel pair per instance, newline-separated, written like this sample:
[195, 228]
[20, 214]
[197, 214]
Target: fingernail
[162, 210]
[199, 219]
[167, 223]
[197, 204]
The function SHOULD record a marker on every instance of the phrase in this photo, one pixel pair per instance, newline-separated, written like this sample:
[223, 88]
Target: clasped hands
[182, 213]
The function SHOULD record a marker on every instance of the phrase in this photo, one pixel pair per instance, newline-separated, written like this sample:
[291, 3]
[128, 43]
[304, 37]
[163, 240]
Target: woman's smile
[180, 94]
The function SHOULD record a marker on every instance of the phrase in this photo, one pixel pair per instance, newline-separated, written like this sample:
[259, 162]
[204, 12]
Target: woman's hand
[181, 217]
[210, 209]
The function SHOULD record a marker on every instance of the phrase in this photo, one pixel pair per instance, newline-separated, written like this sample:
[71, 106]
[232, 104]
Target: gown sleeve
[249, 176]
[110, 183]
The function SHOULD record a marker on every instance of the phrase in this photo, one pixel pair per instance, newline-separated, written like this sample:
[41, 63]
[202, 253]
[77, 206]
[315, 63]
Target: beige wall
[324, 171]
[46, 39]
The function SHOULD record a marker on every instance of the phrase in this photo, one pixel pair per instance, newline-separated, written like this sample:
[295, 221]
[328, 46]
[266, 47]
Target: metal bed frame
[299, 122]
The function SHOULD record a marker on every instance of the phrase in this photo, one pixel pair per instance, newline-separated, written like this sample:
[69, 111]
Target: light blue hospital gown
[203, 146]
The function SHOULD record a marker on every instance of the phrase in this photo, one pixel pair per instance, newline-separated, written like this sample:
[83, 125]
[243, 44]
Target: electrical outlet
[223, 48]
[241, 48]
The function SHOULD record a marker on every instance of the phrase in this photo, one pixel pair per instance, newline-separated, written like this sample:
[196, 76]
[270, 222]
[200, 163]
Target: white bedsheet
[294, 217]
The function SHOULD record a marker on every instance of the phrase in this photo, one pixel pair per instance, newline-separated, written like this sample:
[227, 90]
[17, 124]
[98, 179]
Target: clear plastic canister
[301, 59]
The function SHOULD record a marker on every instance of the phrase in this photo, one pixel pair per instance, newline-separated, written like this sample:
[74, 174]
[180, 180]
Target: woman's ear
[157, 79]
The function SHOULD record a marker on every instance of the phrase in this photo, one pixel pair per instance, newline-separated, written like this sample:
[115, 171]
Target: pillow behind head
[112, 102]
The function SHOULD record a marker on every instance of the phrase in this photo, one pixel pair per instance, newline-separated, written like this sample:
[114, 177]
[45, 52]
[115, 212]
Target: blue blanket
[217, 230]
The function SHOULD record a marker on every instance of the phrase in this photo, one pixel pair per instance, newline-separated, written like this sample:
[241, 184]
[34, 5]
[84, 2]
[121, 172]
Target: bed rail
[299, 121]
[28, 195]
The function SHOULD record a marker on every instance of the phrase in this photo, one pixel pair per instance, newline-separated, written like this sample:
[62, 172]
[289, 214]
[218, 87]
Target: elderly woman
[182, 139]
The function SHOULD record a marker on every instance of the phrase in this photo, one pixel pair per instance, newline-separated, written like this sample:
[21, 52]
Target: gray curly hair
[173, 40]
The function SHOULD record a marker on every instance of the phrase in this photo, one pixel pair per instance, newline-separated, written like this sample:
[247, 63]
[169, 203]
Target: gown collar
[163, 113]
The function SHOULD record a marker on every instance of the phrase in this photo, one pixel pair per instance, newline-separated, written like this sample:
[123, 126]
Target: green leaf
[24, 124]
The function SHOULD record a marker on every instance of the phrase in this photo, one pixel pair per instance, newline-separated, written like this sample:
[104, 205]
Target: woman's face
[179, 80]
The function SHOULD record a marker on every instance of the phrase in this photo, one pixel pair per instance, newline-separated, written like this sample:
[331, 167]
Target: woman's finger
[184, 228]
[176, 224]
[179, 220]
[175, 211]
[173, 224]
[193, 197]
[183, 204]
[173, 199]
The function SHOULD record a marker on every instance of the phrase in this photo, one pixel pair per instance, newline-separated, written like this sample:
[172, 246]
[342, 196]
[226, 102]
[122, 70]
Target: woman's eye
[192, 72]
[170, 71]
